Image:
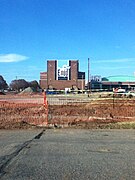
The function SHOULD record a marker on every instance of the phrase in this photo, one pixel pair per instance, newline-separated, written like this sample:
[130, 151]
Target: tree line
[18, 84]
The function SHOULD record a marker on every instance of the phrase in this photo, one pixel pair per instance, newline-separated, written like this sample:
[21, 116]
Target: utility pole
[88, 76]
[82, 84]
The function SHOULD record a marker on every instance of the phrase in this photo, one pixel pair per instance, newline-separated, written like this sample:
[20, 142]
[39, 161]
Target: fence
[64, 110]
[67, 111]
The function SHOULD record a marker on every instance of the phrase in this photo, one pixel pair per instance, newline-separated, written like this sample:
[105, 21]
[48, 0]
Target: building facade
[112, 82]
[119, 81]
[59, 78]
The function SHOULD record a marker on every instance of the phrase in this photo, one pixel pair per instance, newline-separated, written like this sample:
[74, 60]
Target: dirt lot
[29, 112]
[95, 114]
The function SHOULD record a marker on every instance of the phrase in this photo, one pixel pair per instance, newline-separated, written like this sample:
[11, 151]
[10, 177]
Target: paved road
[60, 154]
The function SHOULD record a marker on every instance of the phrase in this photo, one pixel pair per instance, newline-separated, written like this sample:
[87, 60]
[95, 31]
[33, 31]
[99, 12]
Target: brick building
[59, 78]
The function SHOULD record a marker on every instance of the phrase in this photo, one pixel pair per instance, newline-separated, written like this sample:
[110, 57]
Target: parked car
[130, 94]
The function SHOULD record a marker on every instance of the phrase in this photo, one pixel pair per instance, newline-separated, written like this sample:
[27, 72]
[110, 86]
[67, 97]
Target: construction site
[99, 110]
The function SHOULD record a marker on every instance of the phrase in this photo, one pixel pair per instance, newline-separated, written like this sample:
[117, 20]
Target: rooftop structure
[123, 81]
[119, 78]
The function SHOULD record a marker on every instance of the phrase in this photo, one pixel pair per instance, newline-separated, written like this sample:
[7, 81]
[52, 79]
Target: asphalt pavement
[67, 154]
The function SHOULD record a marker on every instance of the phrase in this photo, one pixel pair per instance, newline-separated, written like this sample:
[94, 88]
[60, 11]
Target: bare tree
[34, 84]
[3, 84]
[19, 84]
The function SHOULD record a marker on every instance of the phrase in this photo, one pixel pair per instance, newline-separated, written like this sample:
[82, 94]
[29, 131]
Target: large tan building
[59, 78]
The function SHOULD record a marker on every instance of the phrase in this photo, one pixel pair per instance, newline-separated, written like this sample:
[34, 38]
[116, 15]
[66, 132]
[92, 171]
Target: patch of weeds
[124, 125]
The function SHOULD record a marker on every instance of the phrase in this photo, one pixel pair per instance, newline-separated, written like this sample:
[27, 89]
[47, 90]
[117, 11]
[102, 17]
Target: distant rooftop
[119, 78]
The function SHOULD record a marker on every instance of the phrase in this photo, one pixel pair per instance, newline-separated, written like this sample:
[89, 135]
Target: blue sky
[32, 31]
